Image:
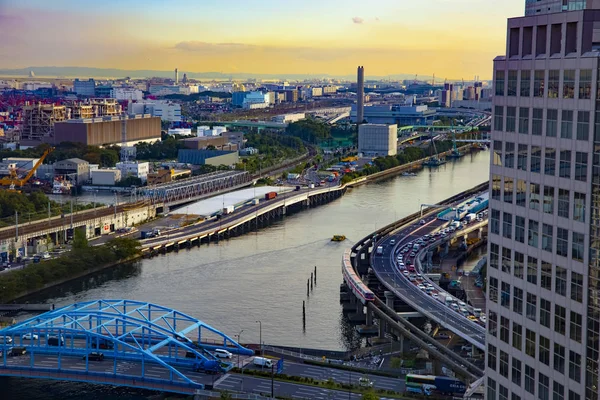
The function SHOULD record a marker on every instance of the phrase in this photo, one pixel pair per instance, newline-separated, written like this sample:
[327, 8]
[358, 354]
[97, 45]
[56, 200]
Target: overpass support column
[480, 233]
[389, 299]
[369, 320]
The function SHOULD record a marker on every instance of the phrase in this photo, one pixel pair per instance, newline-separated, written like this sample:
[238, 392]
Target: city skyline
[451, 39]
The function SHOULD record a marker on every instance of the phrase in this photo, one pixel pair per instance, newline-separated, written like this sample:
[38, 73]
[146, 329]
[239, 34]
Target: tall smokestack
[176, 77]
[360, 95]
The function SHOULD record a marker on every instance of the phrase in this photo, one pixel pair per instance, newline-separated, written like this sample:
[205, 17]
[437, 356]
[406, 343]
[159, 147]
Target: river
[262, 275]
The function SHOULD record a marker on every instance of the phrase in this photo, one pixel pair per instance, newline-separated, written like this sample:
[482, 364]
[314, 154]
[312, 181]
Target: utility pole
[272, 382]
[16, 225]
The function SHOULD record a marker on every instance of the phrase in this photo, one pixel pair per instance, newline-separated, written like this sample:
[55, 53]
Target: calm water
[262, 276]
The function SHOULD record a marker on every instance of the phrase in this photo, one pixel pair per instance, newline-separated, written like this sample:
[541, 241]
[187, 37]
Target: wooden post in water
[311, 281]
[315, 274]
[308, 288]
[303, 314]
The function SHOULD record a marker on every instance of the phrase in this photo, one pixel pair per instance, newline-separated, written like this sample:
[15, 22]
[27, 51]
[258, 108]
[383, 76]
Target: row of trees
[81, 259]
[106, 156]
[309, 130]
[272, 149]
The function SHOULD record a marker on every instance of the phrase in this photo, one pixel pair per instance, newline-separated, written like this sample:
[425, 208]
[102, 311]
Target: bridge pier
[369, 318]
[480, 233]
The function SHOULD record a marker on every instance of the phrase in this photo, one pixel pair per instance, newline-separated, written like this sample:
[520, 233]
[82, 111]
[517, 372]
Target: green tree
[225, 395]
[369, 396]
[80, 241]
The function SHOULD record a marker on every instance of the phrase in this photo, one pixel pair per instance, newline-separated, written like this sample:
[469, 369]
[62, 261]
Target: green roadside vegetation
[273, 149]
[82, 258]
[32, 207]
[328, 384]
[350, 368]
[410, 154]
[106, 157]
[315, 131]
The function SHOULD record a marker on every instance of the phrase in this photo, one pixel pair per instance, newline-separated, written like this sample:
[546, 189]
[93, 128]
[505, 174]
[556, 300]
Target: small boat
[338, 238]
[434, 162]
[409, 174]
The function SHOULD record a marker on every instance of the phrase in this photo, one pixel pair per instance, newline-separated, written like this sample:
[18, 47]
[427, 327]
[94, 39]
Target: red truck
[270, 195]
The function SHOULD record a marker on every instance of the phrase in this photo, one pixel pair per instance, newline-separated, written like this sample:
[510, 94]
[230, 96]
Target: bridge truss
[193, 187]
[143, 345]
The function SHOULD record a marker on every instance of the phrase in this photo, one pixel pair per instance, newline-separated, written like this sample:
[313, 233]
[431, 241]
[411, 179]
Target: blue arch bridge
[118, 342]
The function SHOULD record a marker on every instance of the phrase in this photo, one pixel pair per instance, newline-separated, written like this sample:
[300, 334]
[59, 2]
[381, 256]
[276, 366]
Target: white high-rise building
[124, 94]
[167, 111]
[376, 140]
[543, 329]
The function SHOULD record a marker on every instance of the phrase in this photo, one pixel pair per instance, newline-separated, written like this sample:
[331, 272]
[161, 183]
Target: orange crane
[13, 180]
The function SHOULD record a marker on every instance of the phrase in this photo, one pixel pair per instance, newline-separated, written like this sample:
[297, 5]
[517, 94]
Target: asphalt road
[385, 269]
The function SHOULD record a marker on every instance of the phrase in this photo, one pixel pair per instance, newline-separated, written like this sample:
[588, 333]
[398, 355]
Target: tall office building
[544, 233]
[176, 76]
[360, 95]
[536, 7]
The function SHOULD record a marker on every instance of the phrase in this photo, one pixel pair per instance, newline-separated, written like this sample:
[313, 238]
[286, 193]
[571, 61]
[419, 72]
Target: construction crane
[13, 180]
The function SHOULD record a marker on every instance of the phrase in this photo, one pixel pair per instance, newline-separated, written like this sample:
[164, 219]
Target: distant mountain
[87, 72]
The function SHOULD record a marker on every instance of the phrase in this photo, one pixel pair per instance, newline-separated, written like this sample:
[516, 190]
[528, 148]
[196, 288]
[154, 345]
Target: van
[449, 300]
[393, 241]
[222, 353]
[17, 351]
[56, 341]
[262, 362]
[477, 312]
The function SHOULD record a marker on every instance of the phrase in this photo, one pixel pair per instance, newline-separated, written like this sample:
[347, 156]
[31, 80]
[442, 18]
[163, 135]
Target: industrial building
[287, 118]
[360, 96]
[39, 120]
[75, 169]
[208, 131]
[179, 131]
[202, 142]
[250, 100]
[85, 88]
[208, 157]
[377, 140]
[167, 175]
[167, 111]
[106, 177]
[398, 114]
[108, 130]
[234, 137]
[125, 94]
[134, 168]
[543, 268]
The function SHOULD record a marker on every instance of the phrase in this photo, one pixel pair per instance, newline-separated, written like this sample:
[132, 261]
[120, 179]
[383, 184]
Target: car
[483, 319]
[422, 222]
[413, 254]
[16, 351]
[393, 241]
[405, 272]
[222, 353]
[29, 336]
[5, 340]
[462, 304]
[94, 356]
[442, 336]
[422, 287]
[435, 295]
[472, 318]
[365, 382]
[466, 347]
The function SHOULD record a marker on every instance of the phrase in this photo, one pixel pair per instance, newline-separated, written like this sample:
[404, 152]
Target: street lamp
[260, 336]
[240, 367]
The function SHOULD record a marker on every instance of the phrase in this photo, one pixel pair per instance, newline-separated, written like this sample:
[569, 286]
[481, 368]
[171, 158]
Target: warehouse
[208, 157]
[108, 130]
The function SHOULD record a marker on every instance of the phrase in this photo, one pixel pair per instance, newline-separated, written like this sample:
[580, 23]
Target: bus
[430, 385]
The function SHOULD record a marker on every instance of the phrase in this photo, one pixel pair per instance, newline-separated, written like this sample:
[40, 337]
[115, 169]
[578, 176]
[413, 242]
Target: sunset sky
[451, 38]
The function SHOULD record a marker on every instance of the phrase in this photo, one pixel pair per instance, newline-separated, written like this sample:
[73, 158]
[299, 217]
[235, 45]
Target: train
[360, 290]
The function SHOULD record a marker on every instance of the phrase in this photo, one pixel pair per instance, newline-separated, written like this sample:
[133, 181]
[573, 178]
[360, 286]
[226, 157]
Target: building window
[539, 78]
[585, 84]
[495, 222]
[522, 157]
[529, 379]
[566, 124]
[504, 328]
[536, 159]
[583, 125]
[544, 353]
[560, 319]
[531, 309]
[496, 186]
[576, 287]
[507, 226]
[532, 269]
[546, 275]
[574, 396]
[518, 265]
[560, 282]
[508, 190]
[502, 392]
[574, 366]
[517, 336]
[518, 300]
[521, 193]
[505, 299]
[553, 83]
[569, 83]
[511, 119]
[545, 308]
[515, 397]
[562, 242]
[543, 387]
[491, 357]
[499, 84]
[524, 120]
[534, 196]
[530, 343]
[506, 259]
[559, 358]
[511, 89]
[558, 391]
[493, 323]
[509, 155]
[547, 237]
[491, 389]
[497, 152]
[575, 327]
[581, 161]
[549, 193]
[503, 364]
[551, 123]
[493, 290]
[550, 161]
[516, 371]
[519, 230]
[533, 233]
[498, 118]
[563, 203]
[565, 164]
[526, 83]
[494, 255]
[579, 207]
[577, 246]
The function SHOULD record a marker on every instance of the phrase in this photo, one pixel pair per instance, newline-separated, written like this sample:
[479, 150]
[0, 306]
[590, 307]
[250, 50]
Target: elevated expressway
[360, 259]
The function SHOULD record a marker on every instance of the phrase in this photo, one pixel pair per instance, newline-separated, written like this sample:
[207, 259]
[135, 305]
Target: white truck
[470, 217]
[379, 250]
[228, 210]
[262, 362]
